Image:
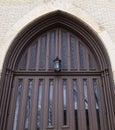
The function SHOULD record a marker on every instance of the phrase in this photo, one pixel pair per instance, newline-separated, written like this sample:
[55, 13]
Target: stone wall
[98, 14]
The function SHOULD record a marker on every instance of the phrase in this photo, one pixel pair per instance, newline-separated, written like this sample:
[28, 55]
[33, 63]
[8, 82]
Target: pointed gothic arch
[36, 28]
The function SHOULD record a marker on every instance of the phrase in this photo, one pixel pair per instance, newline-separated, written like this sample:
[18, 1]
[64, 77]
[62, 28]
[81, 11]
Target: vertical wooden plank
[45, 105]
[47, 51]
[33, 55]
[56, 103]
[57, 43]
[64, 50]
[76, 105]
[52, 48]
[82, 55]
[54, 100]
[43, 52]
[28, 58]
[31, 105]
[77, 54]
[106, 87]
[68, 125]
[60, 107]
[23, 61]
[22, 109]
[106, 100]
[6, 99]
[90, 114]
[86, 59]
[68, 52]
[31, 117]
[82, 117]
[34, 105]
[110, 105]
[102, 110]
[51, 103]
[42, 105]
[92, 105]
[12, 106]
[73, 53]
[80, 102]
[38, 54]
[68, 101]
[71, 104]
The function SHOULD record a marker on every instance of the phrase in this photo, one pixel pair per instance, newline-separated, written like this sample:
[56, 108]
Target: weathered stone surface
[98, 14]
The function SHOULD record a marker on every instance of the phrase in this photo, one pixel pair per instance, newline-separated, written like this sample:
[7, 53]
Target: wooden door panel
[43, 99]
[73, 52]
[63, 107]
[57, 103]
[50, 104]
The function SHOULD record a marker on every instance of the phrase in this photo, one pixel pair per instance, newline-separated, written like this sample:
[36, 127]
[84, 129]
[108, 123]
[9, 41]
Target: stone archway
[45, 23]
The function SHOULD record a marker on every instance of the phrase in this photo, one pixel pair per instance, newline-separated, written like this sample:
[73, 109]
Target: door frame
[40, 25]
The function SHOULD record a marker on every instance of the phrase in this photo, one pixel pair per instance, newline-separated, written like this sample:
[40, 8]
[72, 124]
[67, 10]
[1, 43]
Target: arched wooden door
[71, 99]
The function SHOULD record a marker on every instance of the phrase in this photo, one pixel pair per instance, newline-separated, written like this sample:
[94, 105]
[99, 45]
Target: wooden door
[57, 102]
[71, 99]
